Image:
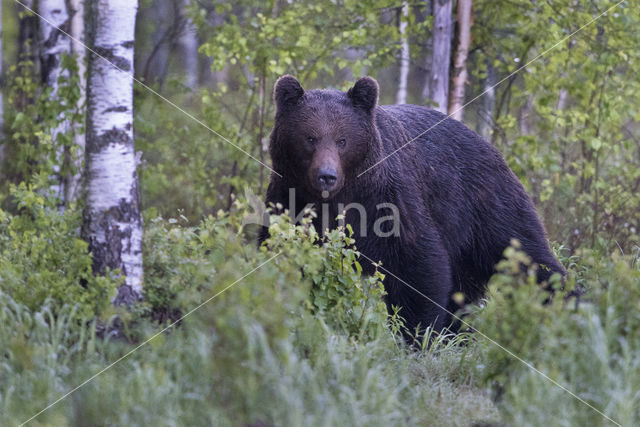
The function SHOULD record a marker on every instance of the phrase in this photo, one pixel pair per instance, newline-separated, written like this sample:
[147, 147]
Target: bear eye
[311, 140]
[341, 142]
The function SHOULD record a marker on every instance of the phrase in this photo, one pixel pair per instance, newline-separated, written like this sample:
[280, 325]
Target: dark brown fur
[460, 205]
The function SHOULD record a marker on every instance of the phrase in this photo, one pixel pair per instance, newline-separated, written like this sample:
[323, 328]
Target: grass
[283, 347]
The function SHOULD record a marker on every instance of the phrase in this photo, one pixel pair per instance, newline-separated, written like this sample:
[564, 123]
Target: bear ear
[364, 93]
[287, 91]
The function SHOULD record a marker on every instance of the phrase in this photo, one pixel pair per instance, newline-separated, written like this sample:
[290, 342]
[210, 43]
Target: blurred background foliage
[305, 339]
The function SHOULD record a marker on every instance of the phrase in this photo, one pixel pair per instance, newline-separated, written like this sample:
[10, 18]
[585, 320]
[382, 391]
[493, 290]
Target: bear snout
[327, 178]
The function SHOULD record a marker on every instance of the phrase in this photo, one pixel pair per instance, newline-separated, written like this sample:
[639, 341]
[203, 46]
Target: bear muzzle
[327, 178]
[325, 181]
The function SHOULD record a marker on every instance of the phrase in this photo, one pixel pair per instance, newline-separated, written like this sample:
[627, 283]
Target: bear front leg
[418, 280]
[422, 295]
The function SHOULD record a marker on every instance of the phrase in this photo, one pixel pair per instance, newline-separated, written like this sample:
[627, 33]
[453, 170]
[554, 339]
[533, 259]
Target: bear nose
[327, 177]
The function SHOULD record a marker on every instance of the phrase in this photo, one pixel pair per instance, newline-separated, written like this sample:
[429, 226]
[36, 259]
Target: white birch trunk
[401, 95]
[78, 51]
[1, 101]
[189, 47]
[562, 100]
[439, 82]
[426, 88]
[486, 111]
[459, 78]
[112, 220]
[54, 44]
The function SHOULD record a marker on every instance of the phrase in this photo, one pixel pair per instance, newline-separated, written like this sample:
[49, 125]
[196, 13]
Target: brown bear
[437, 211]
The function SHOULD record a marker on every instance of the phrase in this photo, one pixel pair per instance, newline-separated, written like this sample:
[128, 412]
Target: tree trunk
[439, 79]
[459, 78]
[401, 96]
[112, 220]
[27, 39]
[189, 48]
[27, 32]
[426, 88]
[487, 110]
[79, 52]
[523, 115]
[54, 44]
[157, 65]
[1, 100]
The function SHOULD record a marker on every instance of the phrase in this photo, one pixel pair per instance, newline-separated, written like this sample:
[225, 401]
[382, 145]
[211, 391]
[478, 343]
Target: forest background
[213, 330]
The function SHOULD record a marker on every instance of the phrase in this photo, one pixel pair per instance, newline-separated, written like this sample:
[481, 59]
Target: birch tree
[77, 30]
[459, 75]
[1, 99]
[426, 87]
[55, 43]
[488, 103]
[401, 96]
[112, 220]
[441, 54]
[189, 48]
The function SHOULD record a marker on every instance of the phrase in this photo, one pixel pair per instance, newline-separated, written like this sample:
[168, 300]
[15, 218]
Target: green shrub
[589, 345]
[274, 345]
[339, 292]
[42, 258]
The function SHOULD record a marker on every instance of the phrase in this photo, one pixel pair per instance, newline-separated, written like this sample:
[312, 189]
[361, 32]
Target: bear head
[322, 139]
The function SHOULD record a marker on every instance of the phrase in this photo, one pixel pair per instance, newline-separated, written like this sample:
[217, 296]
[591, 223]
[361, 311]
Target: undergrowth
[305, 339]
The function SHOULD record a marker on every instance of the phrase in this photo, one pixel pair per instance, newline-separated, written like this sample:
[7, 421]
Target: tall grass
[285, 346]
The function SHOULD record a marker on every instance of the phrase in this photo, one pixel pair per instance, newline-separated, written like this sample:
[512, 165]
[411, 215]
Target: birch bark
[401, 95]
[189, 47]
[459, 78]
[112, 220]
[54, 44]
[487, 109]
[439, 80]
[426, 88]
[76, 10]
[1, 100]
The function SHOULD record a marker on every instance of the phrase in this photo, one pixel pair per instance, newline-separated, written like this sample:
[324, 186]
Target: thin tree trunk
[262, 144]
[562, 100]
[189, 48]
[523, 116]
[487, 110]
[54, 44]
[401, 96]
[157, 66]
[439, 79]
[79, 52]
[1, 99]
[27, 32]
[112, 220]
[459, 78]
[426, 88]
[27, 36]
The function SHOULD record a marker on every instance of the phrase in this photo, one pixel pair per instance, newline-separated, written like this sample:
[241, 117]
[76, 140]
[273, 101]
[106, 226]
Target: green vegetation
[304, 338]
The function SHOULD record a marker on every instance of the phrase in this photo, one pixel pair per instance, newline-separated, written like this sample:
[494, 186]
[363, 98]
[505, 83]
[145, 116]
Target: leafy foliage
[44, 262]
[261, 351]
[31, 154]
[586, 345]
[304, 338]
[564, 124]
